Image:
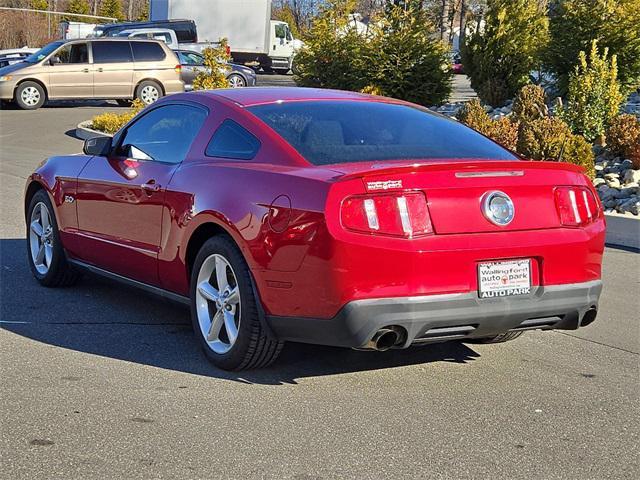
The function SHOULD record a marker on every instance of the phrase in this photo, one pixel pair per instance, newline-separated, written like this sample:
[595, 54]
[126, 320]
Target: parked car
[456, 63]
[16, 55]
[320, 216]
[192, 63]
[185, 29]
[117, 69]
[167, 36]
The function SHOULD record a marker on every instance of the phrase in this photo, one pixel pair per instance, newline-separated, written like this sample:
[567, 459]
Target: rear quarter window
[111, 52]
[147, 52]
[231, 140]
[327, 132]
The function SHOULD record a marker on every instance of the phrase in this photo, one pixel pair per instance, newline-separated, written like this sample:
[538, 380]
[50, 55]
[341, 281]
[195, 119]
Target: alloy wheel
[30, 96]
[41, 238]
[218, 303]
[236, 81]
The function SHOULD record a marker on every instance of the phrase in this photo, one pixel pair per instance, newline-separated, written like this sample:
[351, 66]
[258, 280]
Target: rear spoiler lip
[459, 166]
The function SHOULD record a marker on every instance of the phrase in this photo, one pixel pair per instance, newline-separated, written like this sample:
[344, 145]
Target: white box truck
[253, 37]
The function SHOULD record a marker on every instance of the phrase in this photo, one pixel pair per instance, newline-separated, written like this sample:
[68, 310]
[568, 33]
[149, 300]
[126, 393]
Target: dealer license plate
[504, 279]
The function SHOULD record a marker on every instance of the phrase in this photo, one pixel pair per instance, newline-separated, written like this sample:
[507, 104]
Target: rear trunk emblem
[497, 207]
[384, 185]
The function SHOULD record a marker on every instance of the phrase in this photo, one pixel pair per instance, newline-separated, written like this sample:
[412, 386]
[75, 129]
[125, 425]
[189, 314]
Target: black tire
[503, 337]
[123, 102]
[30, 96]
[143, 88]
[253, 348]
[242, 82]
[60, 273]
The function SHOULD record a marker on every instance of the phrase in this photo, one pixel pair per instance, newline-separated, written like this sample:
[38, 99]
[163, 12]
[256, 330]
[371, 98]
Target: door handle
[85, 70]
[151, 187]
[100, 69]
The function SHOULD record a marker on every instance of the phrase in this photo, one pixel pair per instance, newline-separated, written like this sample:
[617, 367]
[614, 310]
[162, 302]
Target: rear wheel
[46, 256]
[30, 96]
[503, 337]
[149, 91]
[224, 310]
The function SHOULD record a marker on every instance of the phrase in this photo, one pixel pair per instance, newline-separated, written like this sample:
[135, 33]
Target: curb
[623, 230]
[83, 131]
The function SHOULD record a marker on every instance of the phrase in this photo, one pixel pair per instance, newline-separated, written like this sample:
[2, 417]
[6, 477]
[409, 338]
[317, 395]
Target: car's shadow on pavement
[107, 319]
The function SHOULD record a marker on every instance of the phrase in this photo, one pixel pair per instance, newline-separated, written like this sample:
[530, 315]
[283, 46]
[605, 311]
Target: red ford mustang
[324, 217]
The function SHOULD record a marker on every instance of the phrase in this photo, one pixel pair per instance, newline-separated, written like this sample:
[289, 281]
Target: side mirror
[98, 146]
[54, 60]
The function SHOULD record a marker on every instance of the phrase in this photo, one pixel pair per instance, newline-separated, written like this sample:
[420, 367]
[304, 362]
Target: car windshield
[43, 52]
[327, 132]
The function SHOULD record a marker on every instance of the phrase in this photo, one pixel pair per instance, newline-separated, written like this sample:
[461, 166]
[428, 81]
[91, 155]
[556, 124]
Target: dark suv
[185, 29]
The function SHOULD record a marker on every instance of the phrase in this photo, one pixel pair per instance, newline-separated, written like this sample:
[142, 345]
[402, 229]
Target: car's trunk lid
[455, 190]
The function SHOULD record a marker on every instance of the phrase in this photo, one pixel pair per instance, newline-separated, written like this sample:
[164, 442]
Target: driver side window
[164, 134]
[74, 53]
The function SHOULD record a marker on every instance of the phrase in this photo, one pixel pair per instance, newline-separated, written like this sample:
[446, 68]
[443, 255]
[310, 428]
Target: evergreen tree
[77, 6]
[111, 8]
[574, 24]
[500, 56]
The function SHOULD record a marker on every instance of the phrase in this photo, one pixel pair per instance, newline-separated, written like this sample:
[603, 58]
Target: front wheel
[224, 310]
[30, 96]
[236, 81]
[149, 91]
[45, 253]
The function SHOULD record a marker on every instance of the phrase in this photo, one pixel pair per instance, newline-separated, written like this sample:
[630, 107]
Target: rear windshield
[327, 132]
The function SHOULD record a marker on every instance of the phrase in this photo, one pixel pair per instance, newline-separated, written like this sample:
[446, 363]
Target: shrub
[502, 130]
[593, 97]
[216, 62]
[474, 115]
[505, 132]
[112, 122]
[623, 138]
[543, 139]
[575, 23]
[332, 56]
[397, 57]
[403, 59]
[579, 152]
[529, 104]
[549, 138]
[499, 56]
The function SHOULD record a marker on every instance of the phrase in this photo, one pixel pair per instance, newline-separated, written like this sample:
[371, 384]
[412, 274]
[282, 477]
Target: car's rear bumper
[435, 318]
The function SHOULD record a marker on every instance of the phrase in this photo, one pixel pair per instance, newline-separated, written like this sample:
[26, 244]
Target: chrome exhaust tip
[384, 339]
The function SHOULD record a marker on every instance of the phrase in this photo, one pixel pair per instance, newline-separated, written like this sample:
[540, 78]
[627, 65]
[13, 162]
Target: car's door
[70, 73]
[120, 198]
[192, 63]
[113, 69]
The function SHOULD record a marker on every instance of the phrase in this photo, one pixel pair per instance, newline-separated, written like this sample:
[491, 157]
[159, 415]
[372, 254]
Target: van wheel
[224, 309]
[148, 92]
[30, 96]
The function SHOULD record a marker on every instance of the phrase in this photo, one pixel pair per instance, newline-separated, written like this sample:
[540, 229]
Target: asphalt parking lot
[101, 381]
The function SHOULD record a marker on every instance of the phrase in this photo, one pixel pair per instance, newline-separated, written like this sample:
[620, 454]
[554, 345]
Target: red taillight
[228, 49]
[400, 215]
[178, 68]
[576, 206]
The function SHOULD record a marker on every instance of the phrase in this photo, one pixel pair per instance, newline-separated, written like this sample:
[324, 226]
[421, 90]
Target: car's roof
[247, 97]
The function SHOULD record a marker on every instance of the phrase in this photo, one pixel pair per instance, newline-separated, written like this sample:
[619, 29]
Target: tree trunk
[443, 19]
